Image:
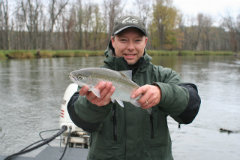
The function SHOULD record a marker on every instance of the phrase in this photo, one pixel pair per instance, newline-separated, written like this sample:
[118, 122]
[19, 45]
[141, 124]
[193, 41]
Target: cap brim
[126, 27]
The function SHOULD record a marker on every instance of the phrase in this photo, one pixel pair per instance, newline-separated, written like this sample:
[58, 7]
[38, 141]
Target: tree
[29, 12]
[87, 24]
[4, 25]
[233, 28]
[204, 24]
[55, 8]
[163, 25]
[98, 29]
[112, 9]
[143, 9]
[68, 24]
[79, 10]
[199, 34]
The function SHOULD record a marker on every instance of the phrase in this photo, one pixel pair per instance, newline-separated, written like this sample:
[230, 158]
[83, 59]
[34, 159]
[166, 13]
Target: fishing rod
[42, 142]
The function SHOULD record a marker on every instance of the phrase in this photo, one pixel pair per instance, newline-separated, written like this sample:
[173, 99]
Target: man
[131, 133]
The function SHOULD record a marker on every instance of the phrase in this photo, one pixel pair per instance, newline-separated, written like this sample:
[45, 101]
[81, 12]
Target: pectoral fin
[95, 91]
[120, 103]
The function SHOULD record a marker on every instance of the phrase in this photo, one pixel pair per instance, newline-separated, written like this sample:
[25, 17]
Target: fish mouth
[72, 78]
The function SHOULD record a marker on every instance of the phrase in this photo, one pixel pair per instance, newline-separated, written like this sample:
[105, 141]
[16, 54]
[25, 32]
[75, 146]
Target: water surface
[31, 92]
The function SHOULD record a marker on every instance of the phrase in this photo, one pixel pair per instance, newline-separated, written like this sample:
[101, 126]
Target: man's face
[130, 45]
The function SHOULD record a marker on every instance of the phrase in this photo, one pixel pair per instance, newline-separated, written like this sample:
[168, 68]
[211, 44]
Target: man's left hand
[150, 95]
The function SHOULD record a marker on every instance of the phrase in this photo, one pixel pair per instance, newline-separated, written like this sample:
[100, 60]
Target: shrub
[20, 54]
[45, 54]
[2, 55]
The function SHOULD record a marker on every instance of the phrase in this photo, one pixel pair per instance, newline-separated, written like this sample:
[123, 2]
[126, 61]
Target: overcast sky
[215, 8]
[190, 8]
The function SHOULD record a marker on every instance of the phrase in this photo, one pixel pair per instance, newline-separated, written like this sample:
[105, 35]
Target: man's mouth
[129, 56]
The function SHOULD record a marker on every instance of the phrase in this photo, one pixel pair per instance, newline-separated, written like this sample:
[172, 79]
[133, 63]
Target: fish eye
[80, 77]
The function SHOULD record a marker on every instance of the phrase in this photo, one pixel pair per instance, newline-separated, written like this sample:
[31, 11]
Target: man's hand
[106, 90]
[150, 95]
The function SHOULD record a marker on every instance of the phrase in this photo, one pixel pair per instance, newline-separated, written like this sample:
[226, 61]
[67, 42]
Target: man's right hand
[106, 90]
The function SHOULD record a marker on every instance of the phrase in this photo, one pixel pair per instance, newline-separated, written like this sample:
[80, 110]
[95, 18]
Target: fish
[121, 80]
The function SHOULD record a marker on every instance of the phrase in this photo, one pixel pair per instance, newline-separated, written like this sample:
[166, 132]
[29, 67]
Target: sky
[190, 8]
[214, 8]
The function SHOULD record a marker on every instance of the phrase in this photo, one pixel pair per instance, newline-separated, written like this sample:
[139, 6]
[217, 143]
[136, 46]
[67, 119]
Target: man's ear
[113, 41]
[146, 40]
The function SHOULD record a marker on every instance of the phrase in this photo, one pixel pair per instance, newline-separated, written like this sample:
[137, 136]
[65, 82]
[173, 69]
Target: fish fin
[120, 103]
[127, 73]
[95, 91]
[135, 103]
[113, 100]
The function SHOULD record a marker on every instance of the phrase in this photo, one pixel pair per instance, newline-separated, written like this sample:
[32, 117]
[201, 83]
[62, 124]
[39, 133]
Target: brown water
[31, 92]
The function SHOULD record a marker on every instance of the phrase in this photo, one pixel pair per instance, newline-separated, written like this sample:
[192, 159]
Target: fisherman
[131, 133]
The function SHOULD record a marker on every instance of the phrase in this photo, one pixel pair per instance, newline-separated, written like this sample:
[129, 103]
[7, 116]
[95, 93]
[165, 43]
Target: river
[31, 92]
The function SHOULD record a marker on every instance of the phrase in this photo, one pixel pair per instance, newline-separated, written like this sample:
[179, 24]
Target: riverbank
[27, 54]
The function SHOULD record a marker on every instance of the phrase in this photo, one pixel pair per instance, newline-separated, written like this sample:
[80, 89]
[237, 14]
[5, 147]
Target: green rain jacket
[130, 133]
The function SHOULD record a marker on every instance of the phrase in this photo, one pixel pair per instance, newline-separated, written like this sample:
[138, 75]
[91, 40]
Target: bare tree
[143, 9]
[79, 10]
[30, 13]
[204, 24]
[238, 30]
[68, 27]
[231, 26]
[112, 10]
[55, 8]
[4, 25]
[1, 25]
[96, 27]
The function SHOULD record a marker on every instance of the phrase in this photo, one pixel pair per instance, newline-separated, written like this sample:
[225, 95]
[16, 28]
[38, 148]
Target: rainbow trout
[121, 80]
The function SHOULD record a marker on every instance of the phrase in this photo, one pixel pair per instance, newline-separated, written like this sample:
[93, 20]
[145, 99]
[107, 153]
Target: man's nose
[131, 46]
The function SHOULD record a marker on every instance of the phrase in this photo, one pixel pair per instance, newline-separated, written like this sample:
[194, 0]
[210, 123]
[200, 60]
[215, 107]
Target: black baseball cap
[128, 22]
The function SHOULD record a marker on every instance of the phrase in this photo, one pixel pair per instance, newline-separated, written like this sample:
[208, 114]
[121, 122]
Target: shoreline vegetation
[28, 54]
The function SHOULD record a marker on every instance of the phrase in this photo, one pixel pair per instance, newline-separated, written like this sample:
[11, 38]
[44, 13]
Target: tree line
[79, 24]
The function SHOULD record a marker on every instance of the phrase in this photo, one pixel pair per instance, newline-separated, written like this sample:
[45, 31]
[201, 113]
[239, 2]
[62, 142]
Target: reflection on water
[31, 93]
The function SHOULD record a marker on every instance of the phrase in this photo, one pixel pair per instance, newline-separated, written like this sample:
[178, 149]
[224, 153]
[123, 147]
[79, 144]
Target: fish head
[79, 77]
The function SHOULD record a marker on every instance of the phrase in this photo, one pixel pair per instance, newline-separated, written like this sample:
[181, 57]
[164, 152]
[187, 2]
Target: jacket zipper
[114, 120]
[152, 128]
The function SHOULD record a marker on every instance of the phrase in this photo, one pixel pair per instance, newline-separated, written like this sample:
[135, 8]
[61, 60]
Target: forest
[87, 25]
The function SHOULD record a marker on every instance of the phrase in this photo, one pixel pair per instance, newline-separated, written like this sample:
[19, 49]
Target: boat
[74, 140]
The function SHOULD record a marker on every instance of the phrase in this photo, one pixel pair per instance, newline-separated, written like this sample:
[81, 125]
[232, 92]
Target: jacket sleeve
[194, 101]
[85, 114]
[180, 100]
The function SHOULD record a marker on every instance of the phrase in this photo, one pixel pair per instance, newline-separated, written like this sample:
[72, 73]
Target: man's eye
[123, 40]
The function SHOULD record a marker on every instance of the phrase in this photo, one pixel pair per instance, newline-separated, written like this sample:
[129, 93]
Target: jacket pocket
[156, 130]
[110, 130]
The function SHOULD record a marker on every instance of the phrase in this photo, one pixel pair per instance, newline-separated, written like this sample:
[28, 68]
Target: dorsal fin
[127, 73]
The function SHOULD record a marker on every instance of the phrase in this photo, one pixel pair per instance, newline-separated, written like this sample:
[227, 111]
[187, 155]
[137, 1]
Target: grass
[24, 54]
[2, 55]
[183, 53]
[20, 54]
[187, 53]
